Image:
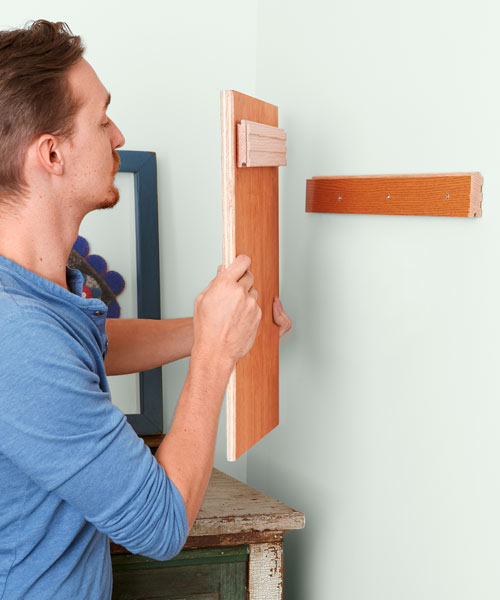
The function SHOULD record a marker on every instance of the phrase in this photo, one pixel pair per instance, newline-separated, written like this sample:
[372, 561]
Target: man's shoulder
[25, 315]
[37, 319]
[35, 339]
[18, 306]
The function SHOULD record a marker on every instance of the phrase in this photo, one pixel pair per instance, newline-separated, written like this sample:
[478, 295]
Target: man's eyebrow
[108, 100]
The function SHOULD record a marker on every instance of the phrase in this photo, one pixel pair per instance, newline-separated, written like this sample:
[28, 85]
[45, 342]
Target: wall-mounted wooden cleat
[260, 145]
[437, 195]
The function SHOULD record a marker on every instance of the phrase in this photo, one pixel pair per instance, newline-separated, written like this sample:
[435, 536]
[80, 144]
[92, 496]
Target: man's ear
[49, 154]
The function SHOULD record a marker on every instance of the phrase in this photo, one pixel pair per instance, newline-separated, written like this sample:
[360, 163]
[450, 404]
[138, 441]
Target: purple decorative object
[99, 282]
[115, 282]
[114, 310]
[81, 246]
[98, 263]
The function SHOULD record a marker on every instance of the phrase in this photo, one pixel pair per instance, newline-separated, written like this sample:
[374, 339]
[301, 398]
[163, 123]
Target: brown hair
[35, 97]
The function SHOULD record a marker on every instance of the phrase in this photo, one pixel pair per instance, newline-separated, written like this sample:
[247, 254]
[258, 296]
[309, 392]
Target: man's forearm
[187, 451]
[142, 344]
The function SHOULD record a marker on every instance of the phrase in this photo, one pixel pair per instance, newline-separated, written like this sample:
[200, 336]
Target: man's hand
[280, 318]
[226, 313]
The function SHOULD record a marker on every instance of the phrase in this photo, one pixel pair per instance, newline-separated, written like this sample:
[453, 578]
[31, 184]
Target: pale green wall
[389, 438]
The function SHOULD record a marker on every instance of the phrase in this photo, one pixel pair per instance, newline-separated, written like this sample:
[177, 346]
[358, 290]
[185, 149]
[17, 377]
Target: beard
[113, 195]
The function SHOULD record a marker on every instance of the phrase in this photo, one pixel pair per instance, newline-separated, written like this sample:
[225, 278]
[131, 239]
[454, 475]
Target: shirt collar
[74, 279]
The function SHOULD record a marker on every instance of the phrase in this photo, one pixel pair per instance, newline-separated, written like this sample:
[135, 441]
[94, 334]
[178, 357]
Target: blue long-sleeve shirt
[72, 469]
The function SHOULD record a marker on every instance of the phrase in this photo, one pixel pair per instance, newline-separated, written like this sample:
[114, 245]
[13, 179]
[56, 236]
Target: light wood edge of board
[260, 145]
[241, 132]
[476, 184]
[476, 195]
[228, 240]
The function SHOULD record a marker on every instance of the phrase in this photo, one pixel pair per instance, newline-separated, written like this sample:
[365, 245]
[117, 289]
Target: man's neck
[39, 240]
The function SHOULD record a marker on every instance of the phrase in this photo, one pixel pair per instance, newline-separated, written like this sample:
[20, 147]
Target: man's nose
[118, 140]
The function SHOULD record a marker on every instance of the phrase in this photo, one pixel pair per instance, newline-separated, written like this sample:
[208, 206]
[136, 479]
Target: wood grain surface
[260, 145]
[250, 226]
[442, 194]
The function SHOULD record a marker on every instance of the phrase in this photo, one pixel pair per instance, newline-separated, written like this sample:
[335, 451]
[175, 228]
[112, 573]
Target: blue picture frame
[149, 420]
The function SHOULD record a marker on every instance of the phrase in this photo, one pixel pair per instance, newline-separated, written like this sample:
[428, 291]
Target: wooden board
[250, 226]
[443, 194]
[260, 145]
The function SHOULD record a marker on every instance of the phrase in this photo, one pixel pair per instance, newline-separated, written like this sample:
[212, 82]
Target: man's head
[54, 132]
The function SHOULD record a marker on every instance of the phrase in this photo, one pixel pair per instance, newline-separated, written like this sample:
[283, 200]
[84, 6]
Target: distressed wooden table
[236, 525]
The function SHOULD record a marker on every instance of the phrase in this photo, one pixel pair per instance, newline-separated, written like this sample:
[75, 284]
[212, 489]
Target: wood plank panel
[441, 194]
[260, 145]
[250, 224]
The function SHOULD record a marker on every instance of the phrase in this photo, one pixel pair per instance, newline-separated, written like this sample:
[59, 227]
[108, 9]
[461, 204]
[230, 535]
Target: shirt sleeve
[61, 429]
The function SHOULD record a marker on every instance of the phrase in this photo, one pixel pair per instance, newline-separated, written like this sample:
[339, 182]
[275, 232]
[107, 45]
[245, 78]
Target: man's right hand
[226, 313]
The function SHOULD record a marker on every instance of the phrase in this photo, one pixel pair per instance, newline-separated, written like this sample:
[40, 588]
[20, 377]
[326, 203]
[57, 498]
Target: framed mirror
[117, 251]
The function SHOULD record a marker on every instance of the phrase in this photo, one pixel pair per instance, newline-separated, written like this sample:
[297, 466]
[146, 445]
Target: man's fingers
[246, 281]
[254, 293]
[238, 267]
[280, 317]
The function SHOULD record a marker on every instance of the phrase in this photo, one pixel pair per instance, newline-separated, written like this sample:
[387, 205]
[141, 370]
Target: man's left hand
[280, 318]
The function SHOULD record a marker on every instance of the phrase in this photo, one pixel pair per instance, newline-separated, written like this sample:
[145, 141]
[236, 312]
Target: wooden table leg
[265, 577]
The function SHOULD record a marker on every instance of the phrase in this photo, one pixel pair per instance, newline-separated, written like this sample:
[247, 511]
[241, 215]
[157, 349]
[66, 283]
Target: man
[72, 470]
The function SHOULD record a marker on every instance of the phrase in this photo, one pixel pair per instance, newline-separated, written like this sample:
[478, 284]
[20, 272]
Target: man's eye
[107, 124]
